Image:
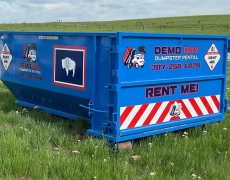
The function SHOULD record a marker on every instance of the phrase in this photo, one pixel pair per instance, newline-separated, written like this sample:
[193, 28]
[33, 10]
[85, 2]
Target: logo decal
[175, 109]
[69, 66]
[6, 56]
[212, 57]
[30, 69]
[130, 57]
[28, 53]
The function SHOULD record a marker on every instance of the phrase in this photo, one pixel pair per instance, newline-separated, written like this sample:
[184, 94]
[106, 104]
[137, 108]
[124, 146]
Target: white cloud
[91, 10]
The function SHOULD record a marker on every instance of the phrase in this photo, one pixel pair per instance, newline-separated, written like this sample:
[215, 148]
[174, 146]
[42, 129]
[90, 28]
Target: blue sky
[17, 11]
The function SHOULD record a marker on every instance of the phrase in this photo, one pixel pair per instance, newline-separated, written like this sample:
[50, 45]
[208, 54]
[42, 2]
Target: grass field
[190, 24]
[37, 145]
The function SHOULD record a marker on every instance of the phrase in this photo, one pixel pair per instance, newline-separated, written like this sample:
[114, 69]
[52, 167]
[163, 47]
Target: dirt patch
[9, 125]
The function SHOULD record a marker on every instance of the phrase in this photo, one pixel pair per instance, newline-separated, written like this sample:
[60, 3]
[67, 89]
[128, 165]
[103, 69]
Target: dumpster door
[102, 102]
[171, 82]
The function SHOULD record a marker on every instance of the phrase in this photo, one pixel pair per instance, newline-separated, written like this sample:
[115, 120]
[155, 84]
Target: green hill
[209, 24]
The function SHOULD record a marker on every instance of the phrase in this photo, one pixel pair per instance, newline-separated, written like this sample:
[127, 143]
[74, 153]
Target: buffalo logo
[28, 53]
[175, 109]
[69, 65]
[130, 57]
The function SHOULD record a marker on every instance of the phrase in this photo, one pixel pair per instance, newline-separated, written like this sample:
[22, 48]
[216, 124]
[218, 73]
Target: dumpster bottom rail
[45, 109]
[155, 132]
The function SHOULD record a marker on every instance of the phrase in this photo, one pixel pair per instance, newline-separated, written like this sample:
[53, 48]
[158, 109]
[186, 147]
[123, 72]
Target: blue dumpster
[127, 85]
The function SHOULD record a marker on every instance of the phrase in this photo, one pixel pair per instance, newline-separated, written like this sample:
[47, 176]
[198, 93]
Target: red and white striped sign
[147, 114]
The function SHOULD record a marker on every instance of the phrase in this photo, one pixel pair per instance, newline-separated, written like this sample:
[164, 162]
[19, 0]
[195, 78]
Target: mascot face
[32, 55]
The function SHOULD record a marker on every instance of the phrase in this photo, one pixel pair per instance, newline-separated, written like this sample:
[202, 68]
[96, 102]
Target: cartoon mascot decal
[130, 57]
[30, 54]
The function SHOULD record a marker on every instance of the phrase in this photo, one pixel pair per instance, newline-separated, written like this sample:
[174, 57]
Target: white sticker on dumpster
[212, 57]
[48, 37]
[6, 56]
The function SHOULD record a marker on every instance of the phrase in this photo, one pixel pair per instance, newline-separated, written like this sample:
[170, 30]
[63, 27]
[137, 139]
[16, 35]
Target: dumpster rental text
[176, 53]
[159, 91]
[34, 69]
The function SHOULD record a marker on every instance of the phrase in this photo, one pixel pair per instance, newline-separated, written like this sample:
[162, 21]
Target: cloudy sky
[16, 11]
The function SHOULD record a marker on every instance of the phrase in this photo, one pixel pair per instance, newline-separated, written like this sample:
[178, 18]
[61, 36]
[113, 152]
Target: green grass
[37, 145]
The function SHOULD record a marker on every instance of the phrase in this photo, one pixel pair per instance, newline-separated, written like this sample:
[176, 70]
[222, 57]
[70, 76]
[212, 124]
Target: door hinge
[115, 73]
[112, 49]
[111, 87]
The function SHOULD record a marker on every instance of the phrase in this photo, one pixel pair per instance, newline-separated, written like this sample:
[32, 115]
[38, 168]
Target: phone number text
[29, 76]
[175, 66]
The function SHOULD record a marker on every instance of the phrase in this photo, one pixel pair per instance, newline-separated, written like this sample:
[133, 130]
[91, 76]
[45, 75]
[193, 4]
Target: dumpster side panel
[53, 72]
[170, 81]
